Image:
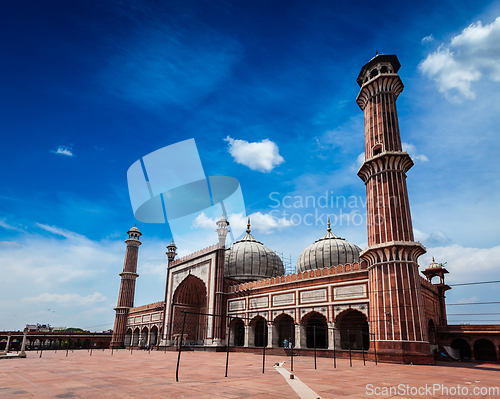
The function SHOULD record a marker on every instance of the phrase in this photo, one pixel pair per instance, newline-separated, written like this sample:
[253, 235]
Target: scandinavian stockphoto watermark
[431, 390]
[311, 210]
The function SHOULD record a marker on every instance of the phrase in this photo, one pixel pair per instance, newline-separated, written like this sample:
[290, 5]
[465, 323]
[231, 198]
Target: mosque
[340, 298]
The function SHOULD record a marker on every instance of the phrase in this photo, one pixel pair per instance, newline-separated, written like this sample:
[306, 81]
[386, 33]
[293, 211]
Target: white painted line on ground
[298, 386]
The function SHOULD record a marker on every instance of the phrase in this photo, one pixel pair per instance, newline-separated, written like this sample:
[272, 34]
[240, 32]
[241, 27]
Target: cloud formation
[263, 223]
[262, 156]
[67, 299]
[470, 56]
[428, 39]
[412, 150]
[63, 150]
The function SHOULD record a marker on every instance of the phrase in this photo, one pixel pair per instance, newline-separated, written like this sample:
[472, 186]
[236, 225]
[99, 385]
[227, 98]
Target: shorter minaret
[220, 300]
[438, 270]
[171, 254]
[222, 231]
[127, 288]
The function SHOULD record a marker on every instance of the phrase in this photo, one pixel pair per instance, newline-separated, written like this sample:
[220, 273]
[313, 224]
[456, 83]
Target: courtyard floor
[201, 375]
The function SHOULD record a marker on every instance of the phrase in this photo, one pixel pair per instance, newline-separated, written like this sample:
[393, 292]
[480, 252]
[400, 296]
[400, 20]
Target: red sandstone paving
[201, 375]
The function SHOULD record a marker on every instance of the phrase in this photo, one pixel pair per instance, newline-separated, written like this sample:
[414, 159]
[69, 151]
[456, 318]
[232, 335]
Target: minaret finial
[376, 52]
[248, 226]
[328, 224]
[433, 259]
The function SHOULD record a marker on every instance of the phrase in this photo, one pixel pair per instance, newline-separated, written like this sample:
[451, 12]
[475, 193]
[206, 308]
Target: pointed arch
[190, 296]
[353, 328]
[316, 329]
[285, 328]
[237, 328]
[258, 331]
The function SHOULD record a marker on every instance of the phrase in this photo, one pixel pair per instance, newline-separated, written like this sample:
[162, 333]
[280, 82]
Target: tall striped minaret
[396, 303]
[127, 288]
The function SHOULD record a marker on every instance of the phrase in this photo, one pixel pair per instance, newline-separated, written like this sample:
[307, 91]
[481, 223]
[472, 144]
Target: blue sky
[267, 90]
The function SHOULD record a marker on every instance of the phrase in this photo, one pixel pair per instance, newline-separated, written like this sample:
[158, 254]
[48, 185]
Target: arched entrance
[237, 332]
[315, 324]
[353, 328]
[285, 328]
[144, 337]
[135, 337]
[128, 337]
[485, 350]
[190, 296]
[462, 346]
[153, 336]
[258, 326]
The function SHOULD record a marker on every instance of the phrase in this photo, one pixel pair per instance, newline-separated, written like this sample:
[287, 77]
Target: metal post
[180, 349]
[291, 355]
[228, 341]
[334, 352]
[91, 346]
[41, 346]
[349, 343]
[264, 348]
[314, 330]
[362, 347]
[375, 350]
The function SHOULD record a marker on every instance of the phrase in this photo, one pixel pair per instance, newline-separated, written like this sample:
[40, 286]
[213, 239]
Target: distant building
[43, 328]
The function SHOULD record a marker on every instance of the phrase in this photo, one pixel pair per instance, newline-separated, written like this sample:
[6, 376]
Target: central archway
[353, 328]
[237, 333]
[316, 327]
[285, 328]
[259, 329]
[190, 296]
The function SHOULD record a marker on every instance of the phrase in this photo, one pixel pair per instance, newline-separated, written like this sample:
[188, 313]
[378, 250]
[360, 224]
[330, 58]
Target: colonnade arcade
[142, 336]
[349, 331]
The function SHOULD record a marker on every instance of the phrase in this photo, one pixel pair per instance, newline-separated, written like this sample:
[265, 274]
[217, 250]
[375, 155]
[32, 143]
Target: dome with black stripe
[328, 251]
[250, 260]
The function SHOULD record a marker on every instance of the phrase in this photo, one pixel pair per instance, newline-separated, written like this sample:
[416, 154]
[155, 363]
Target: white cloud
[466, 264]
[428, 39]
[412, 150]
[472, 54]
[359, 161]
[435, 238]
[204, 222]
[60, 232]
[8, 226]
[263, 223]
[67, 299]
[63, 150]
[262, 156]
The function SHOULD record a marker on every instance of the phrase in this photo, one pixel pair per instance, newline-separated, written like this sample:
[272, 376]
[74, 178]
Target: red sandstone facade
[380, 303]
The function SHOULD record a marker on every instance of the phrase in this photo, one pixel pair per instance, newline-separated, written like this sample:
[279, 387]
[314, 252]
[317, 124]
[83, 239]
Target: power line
[472, 303]
[479, 282]
[470, 314]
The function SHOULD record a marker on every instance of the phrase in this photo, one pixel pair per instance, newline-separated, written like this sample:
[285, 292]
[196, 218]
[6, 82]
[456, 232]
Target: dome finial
[433, 259]
[328, 224]
[248, 225]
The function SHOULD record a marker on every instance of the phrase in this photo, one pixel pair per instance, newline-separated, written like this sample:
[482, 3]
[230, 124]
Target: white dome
[250, 260]
[328, 251]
